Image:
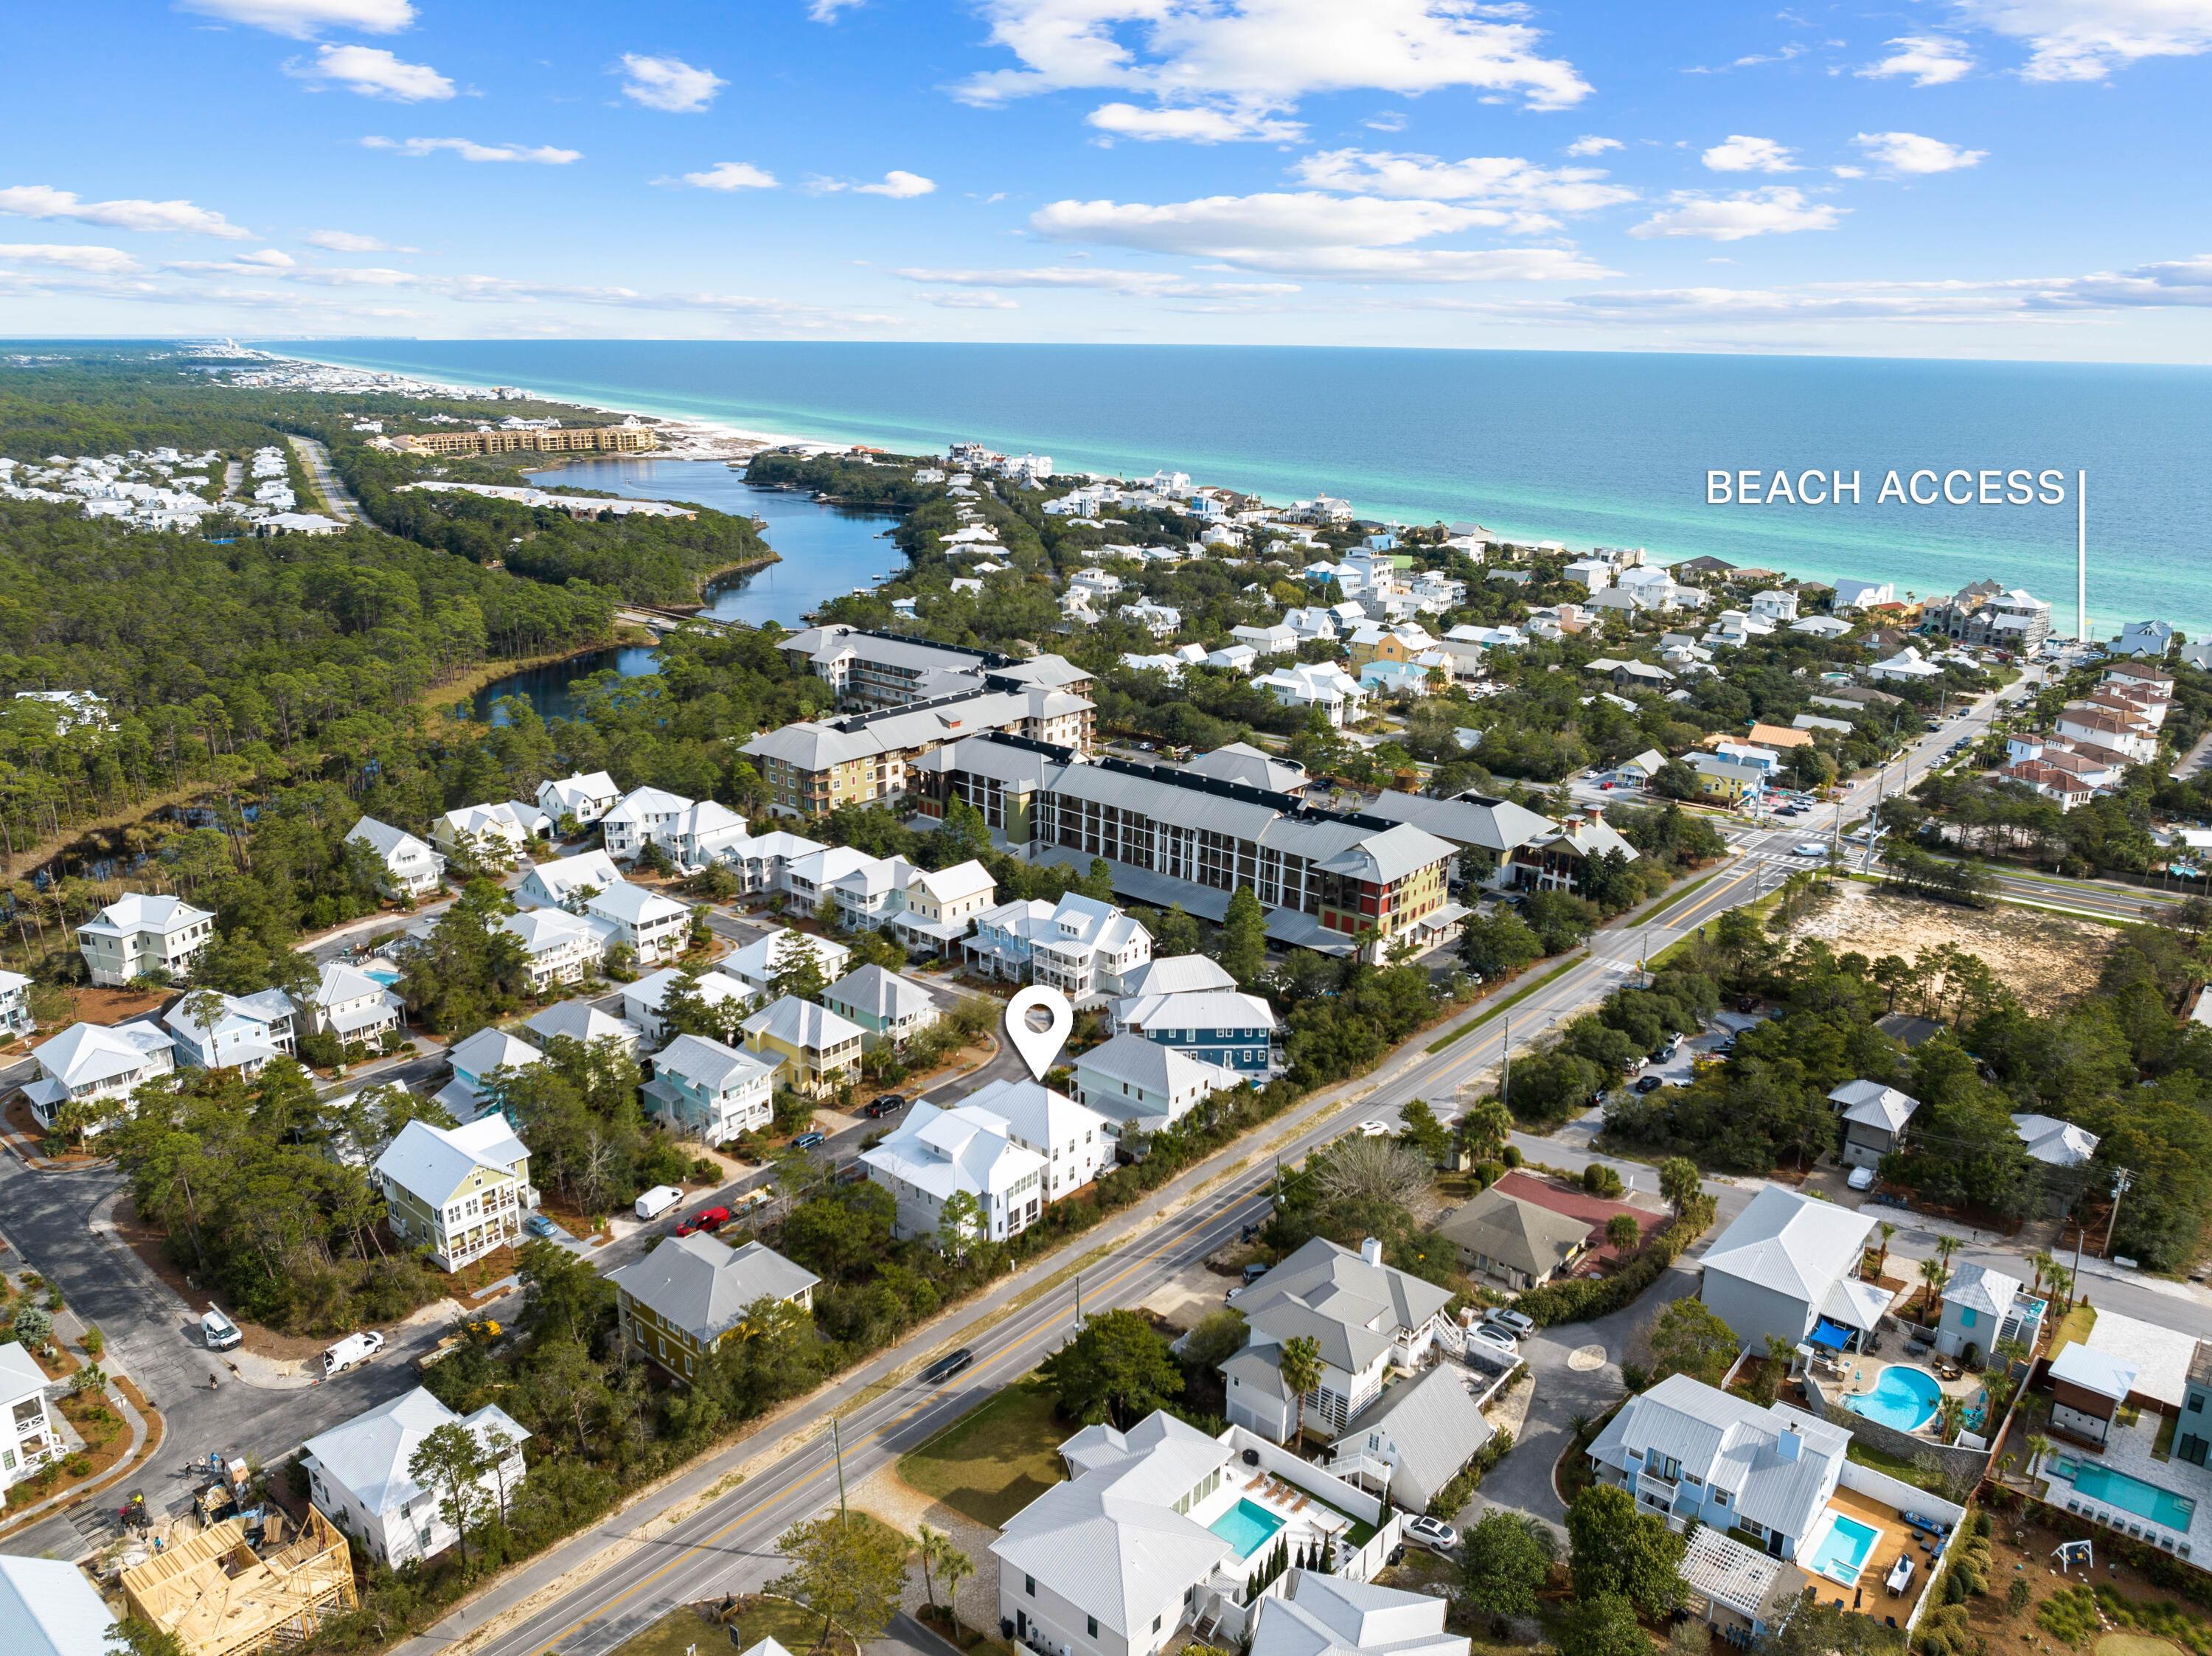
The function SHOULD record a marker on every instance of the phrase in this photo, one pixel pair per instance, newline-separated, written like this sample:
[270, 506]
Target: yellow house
[1725, 778]
[459, 1191]
[814, 1049]
[678, 1303]
[1376, 643]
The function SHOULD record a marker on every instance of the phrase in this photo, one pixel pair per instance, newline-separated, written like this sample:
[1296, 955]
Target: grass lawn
[793, 1626]
[992, 1463]
[2073, 1328]
[1896, 1466]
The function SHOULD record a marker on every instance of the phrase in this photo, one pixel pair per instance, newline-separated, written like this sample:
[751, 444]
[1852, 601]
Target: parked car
[1253, 1272]
[1518, 1324]
[1747, 1004]
[946, 1367]
[1432, 1533]
[1861, 1179]
[705, 1219]
[889, 1104]
[1497, 1340]
[219, 1333]
[538, 1225]
[656, 1201]
[807, 1141]
[351, 1352]
[1649, 1084]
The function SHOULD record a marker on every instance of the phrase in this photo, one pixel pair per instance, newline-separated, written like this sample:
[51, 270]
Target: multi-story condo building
[139, 933]
[885, 669]
[1987, 613]
[1169, 836]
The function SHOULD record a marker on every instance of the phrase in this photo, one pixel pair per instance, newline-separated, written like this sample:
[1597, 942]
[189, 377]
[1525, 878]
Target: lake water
[825, 551]
[1585, 447]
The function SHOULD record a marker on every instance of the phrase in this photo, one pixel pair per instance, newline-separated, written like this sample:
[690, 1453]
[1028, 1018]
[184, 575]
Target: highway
[317, 458]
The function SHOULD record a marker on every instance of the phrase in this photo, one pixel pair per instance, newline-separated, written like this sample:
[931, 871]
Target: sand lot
[2049, 961]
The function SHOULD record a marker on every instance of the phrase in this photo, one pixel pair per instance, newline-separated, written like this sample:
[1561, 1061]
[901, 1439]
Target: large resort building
[559, 439]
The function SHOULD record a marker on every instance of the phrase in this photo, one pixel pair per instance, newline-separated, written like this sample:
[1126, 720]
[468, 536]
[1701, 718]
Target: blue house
[1236, 1031]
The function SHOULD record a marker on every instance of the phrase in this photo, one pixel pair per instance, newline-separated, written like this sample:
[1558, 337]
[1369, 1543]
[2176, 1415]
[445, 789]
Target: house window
[2196, 1402]
[1029, 1586]
[1966, 1317]
[1156, 1624]
[1090, 1626]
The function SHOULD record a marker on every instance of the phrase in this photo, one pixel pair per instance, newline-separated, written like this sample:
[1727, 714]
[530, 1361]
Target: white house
[16, 1017]
[351, 1004]
[1367, 1317]
[1415, 1438]
[642, 1000]
[1075, 1142]
[755, 964]
[935, 1153]
[51, 1609]
[558, 947]
[358, 1474]
[564, 881]
[1907, 665]
[458, 1192]
[1161, 619]
[654, 926]
[1141, 1086]
[1079, 945]
[1980, 1306]
[1789, 1266]
[240, 1032]
[1320, 684]
[408, 868]
[1863, 594]
[710, 1091]
[1319, 1615]
[1281, 640]
[585, 796]
[628, 823]
[138, 934]
[1774, 605]
[97, 1062]
[1688, 1452]
[496, 834]
[940, 906]
[28, 1438]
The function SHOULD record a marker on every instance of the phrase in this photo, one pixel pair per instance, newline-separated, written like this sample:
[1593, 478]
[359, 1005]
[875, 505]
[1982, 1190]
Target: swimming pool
[1842, 1550]
[1903, 1397]
[382, 971]
[1246, 1527]
[2102, 1483]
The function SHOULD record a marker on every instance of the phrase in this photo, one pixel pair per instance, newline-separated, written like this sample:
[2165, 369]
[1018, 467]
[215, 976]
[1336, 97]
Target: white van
[658, 1200]
[219, 1333]
[351, 1352]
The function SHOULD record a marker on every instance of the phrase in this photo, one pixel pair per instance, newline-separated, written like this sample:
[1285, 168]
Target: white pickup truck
[351, 1352]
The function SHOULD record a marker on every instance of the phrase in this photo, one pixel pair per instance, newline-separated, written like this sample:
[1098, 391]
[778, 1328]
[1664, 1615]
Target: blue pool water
[1903, 1397]
[1842, 1550]
[1246, 1527]
[2103, 1484]
[384, 974]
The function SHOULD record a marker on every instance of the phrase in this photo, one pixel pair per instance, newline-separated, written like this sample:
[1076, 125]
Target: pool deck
[1892, 1538]
[1862, 1374]
[2128, 1450]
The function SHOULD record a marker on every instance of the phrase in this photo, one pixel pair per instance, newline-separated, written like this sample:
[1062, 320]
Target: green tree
[1117, 1370]
[1420, 1130]
[136, 1636]
[959, 1223]
[849, 1575]
[1604, 1625]
[1485, 1128]
[794, 968]
[1618, 1550]
[1623, 1233]
[1244, 938]
[1298, 1362]
[1689, 1339]
[1495, 945]
[1502, 1567]
[1678, 1182]
[449, 1462]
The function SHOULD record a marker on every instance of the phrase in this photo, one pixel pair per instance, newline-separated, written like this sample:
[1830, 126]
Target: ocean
[1608, 449]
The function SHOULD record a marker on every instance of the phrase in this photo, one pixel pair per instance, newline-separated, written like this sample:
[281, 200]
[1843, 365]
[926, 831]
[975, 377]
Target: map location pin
[1038, 1047]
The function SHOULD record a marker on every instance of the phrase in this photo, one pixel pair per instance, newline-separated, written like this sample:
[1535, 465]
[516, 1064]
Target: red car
[705, 1219]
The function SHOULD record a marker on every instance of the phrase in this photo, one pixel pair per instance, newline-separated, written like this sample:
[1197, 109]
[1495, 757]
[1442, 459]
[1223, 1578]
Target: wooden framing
[220, 1598]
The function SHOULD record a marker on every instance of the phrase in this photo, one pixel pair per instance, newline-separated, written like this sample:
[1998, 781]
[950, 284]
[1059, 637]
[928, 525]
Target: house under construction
[222, 1599]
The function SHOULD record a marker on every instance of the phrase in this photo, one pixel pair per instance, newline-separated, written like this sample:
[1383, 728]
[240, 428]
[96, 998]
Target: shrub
[1600, 1180]
[1582, 1299]
[1511, 1156]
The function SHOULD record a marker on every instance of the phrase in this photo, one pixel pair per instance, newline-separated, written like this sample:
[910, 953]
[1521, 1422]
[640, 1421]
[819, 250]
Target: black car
[1749, 1003]
[1649, 1084]
[946, 1367]
[889, 1104]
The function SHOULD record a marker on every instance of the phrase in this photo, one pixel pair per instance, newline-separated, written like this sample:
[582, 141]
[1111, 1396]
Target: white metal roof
[50, 1609]
[368, 1454]
[1871, 1104]
[2093, 1371]
[1335, 1615]
[1793, 1244]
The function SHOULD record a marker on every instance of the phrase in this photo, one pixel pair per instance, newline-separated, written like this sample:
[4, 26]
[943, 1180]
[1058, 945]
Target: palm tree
[2061, 1285]
[2037, 1446]
[1889, 1230]
[927, 1543]
[1298, 1362]
[2044, 1262]
[1952, 1413]
[955, 1566]
[1946, 1247]
[1932, 1273]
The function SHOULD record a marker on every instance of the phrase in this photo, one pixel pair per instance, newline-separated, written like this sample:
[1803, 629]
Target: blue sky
[2016, 179]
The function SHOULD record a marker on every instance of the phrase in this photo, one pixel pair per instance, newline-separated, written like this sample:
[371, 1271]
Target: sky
[2000, 178]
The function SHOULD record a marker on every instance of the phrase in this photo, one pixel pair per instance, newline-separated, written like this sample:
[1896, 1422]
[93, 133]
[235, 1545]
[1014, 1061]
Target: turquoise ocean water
[1588, 448]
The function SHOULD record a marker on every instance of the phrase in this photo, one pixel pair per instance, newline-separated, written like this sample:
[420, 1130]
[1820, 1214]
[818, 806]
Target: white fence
[1896, 1492]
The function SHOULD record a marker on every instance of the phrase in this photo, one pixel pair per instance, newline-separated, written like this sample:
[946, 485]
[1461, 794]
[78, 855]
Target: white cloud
[1849, 171]
[670, 84]
[1775, 210]
[1390, 121]
[39, 201]
[345, 241]
[374, 73]
[1592, 146]
[1748, 154]
[1908, 152]
[1496, 180]
[94, 261]
[1249, 62]
[731, 175]
[303, 20]
[269, 259]
[1307, 233]
[900, 186]
[972, 301]
[469, 150]
[1194, 126]
[1142, 284]
[1929, 59]
[2088, 40]
[825, 11]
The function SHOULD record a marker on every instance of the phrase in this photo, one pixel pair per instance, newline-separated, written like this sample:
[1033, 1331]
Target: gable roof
[1734, 1445]
[1173, 974]
[50, 1609]
[705, 1286]
[801, 1023]
[1501, 1226]
[1334, 1616]
[563, 875]
[1434, 1422]
[579, 1020]
[879, 992]
[1977, 1287]
[433, 1162]
[86, 1052]
[368, 1454]
[1792, 1244]
[488, 1048]
[706, 1061]
[1354, 1309]
[2059, 1144]
[139, 911]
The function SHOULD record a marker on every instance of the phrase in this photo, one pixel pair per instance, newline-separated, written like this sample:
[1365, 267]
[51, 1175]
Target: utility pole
[1505, 1072]
[2122, 1177]
[837, 1448]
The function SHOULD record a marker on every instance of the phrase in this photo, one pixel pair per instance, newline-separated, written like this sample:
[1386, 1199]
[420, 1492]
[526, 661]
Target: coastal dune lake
[1590, 448]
